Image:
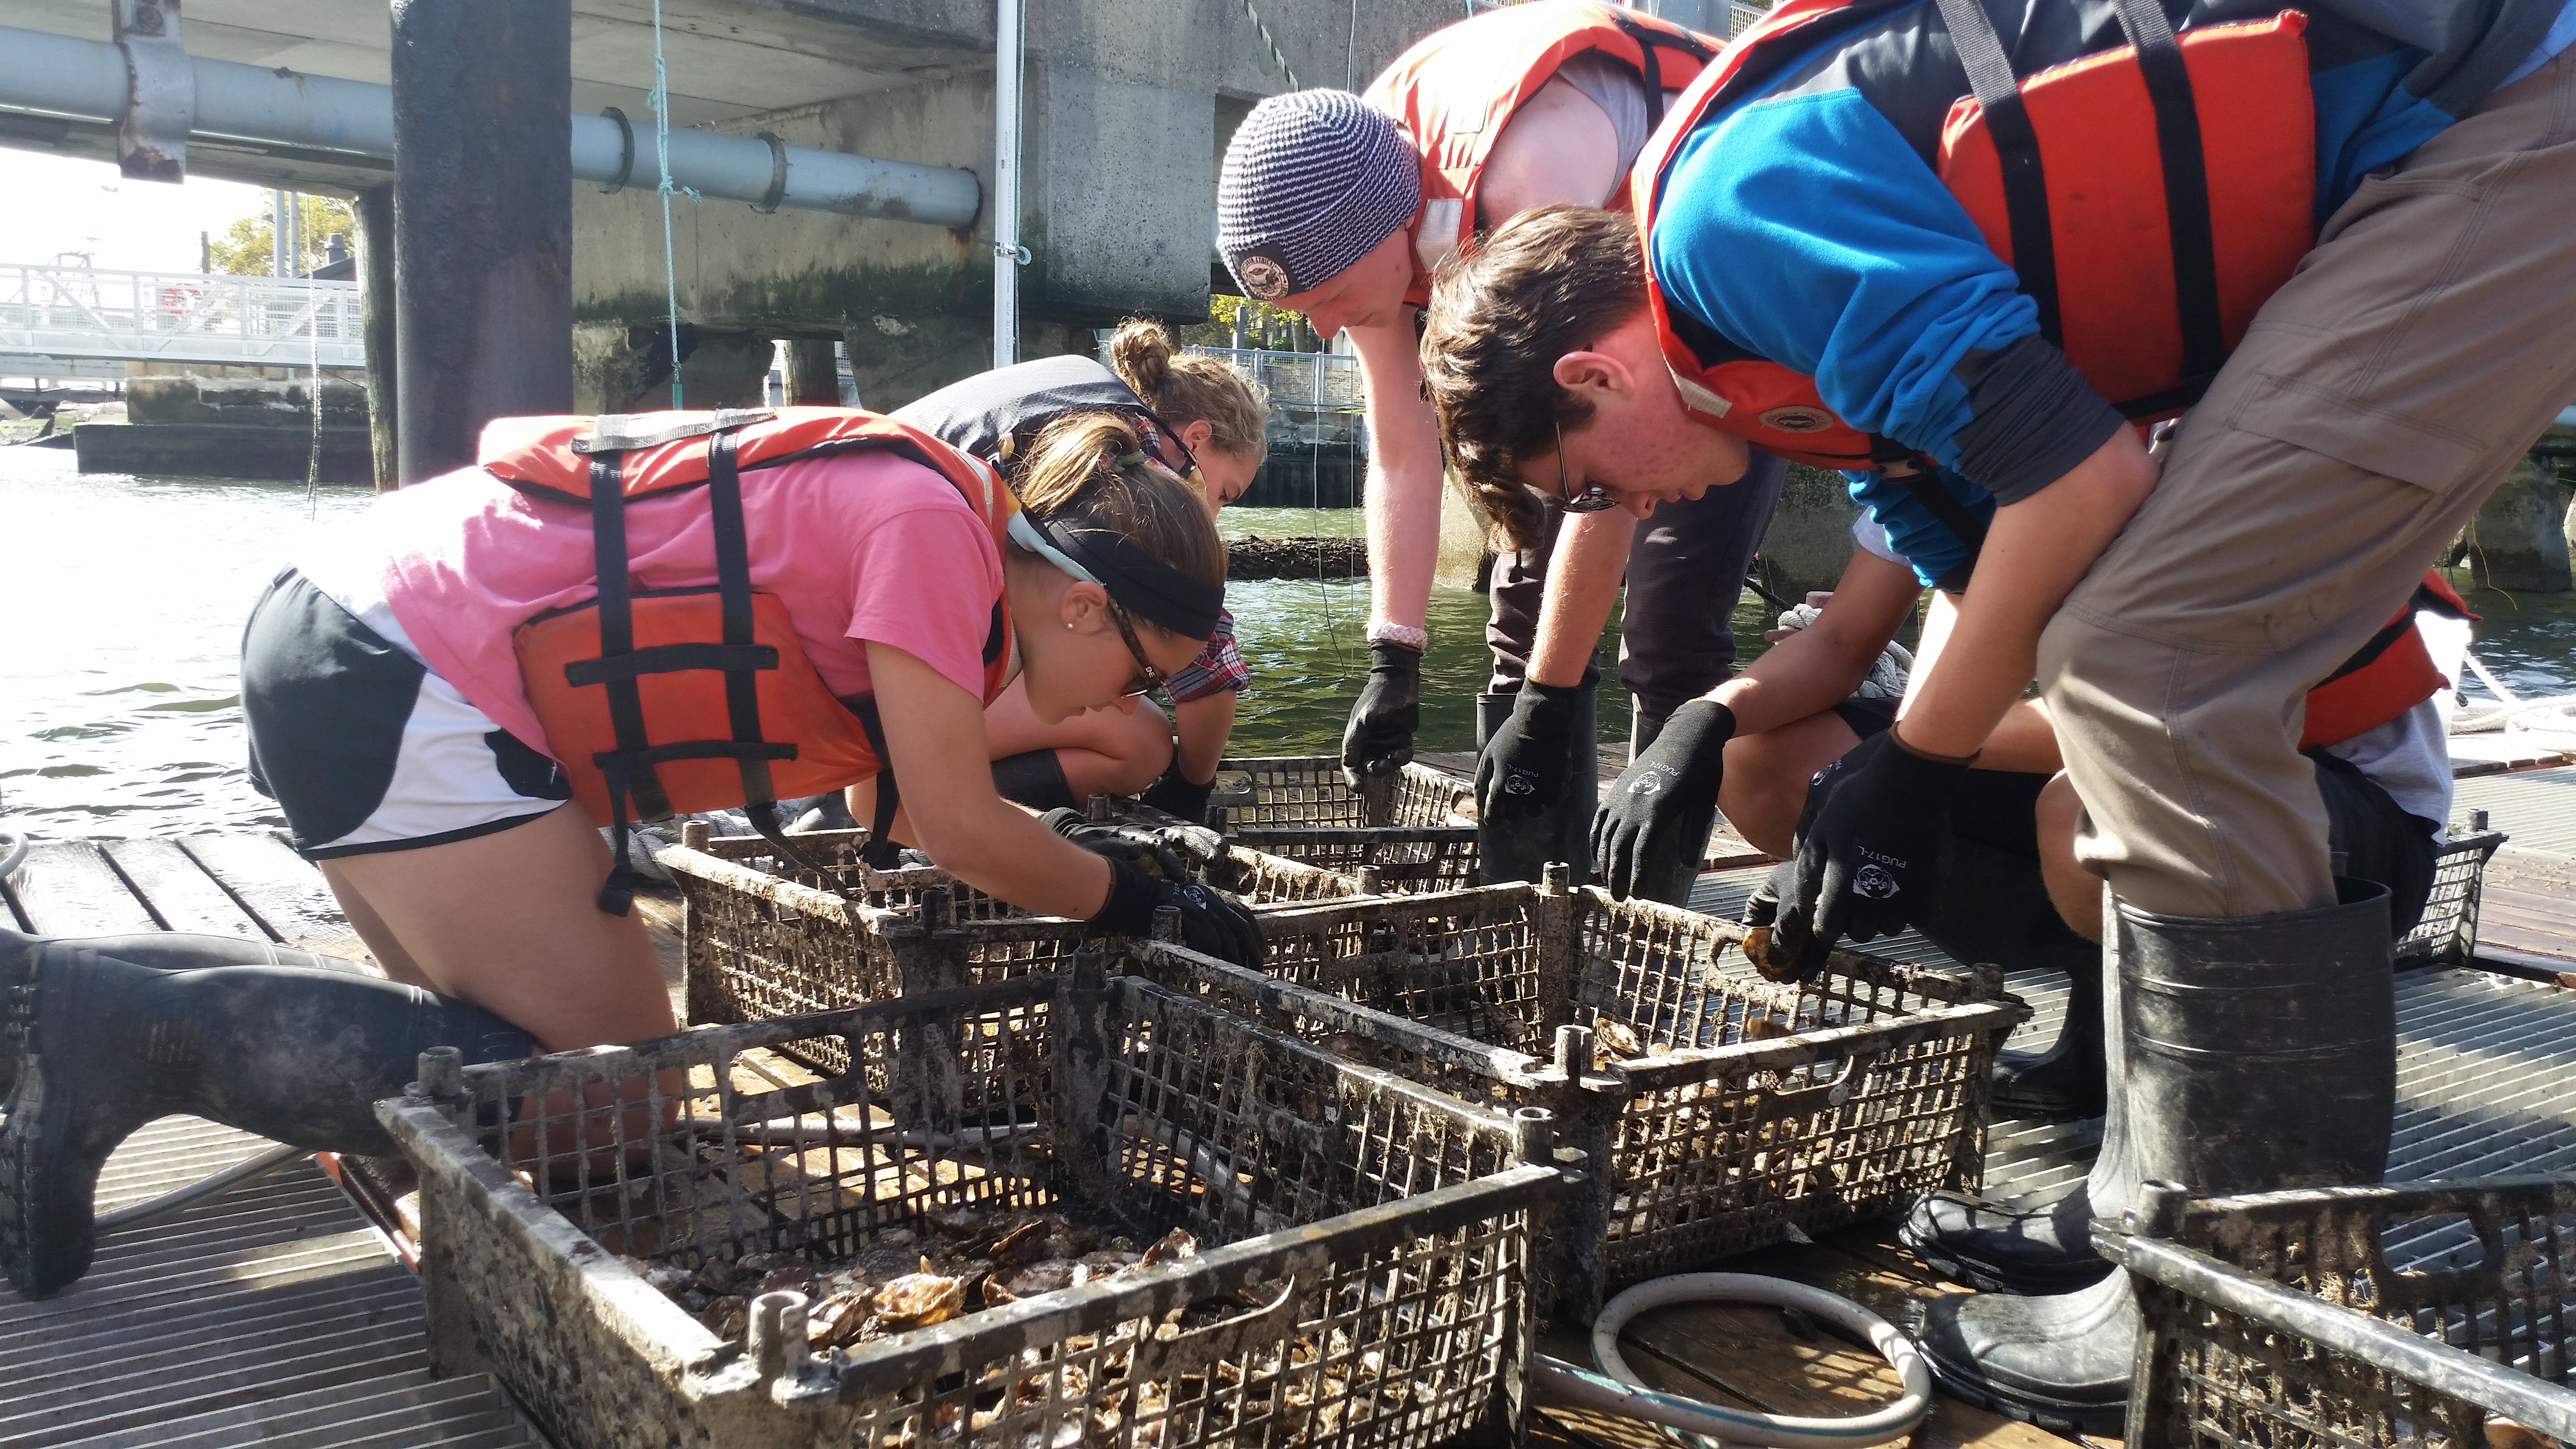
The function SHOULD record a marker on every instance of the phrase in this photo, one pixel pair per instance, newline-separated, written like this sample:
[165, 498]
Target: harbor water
[120, 712]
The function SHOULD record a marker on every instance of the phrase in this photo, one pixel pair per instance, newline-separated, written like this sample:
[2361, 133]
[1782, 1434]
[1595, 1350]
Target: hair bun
[1140, 352]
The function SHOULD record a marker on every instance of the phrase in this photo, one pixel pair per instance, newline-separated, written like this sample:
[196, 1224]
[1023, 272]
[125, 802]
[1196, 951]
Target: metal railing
[72, 312]
[1319, 380]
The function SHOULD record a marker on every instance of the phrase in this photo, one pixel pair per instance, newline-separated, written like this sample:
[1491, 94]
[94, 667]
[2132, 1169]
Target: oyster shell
[918, 1300]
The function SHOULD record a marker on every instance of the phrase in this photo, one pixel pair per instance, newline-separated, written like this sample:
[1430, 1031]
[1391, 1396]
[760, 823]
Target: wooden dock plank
[280, 888]
[67, 888]
[181, 893]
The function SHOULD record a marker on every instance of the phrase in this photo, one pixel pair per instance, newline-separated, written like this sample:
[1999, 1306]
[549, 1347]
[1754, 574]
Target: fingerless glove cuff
[1387, 658]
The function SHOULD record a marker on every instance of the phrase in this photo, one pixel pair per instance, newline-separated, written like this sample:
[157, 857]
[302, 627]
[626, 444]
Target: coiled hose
[13, 852]
[1623, 1393]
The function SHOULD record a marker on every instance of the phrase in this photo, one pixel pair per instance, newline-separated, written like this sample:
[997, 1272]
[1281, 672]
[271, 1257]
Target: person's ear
[1196, 433]
[1083, 605]
[1594, 376]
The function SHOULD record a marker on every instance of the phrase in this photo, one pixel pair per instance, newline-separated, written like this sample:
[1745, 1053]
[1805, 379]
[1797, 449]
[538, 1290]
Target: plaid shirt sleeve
[1218, 668]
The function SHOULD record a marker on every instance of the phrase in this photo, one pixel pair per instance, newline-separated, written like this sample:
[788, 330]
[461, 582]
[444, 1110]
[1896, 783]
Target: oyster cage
[1300, 807]
[765, 937]
[2447, 935]
[1717, 1109]
[1360, 1275]
[2423, 1314]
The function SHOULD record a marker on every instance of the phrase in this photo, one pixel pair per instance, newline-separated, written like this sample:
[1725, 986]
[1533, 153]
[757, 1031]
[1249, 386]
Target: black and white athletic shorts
[362, 746]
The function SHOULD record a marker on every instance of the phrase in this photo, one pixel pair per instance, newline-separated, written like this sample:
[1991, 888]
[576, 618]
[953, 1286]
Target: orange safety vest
[2149, 196]
[675, 700]
[2388, 676]
[1454, 91]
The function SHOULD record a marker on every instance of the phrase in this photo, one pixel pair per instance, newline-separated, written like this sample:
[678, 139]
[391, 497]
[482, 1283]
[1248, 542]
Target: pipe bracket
[625, 153]
[160, 92]
[769, 200]
[1015, 251]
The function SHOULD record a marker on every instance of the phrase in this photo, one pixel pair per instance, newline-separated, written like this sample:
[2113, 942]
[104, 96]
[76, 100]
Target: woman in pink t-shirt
[388, 719]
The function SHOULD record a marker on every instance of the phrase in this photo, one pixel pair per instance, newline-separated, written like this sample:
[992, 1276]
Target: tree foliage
[246, 247]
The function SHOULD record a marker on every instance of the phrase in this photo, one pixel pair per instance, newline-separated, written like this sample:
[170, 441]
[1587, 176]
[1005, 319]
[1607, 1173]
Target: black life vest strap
[2424, 601]
[881, 852]
[2025, 181]
[1650, 44]
[631, 781]
[2186, 182]
[1901, 465]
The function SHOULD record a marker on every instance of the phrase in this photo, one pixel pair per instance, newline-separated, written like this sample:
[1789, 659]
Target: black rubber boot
[2248, 1053]
[291, 1053]
[1034, 778]
[1519, 850]
[1994, 909]
[160, 950]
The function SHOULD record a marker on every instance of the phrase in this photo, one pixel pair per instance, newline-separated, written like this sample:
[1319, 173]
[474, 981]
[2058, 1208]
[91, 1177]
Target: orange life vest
[2388, 676]
[676, 700]
[2150, 197]
[1454, 91]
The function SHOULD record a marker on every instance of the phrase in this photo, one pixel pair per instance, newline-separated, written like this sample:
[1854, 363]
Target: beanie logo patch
[1262, 275]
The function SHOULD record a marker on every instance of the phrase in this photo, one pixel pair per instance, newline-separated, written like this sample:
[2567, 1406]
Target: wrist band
[1382, 632]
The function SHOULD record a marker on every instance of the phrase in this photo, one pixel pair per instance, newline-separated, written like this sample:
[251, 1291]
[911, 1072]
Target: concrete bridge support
[482, 93]
[2518, 541]
[1809, 540]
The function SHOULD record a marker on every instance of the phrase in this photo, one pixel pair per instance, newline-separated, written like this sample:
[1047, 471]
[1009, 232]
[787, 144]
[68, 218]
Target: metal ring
[777, 174]
[625, 152]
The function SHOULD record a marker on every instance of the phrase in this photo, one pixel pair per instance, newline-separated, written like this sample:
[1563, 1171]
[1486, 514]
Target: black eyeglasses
[1592, 499]
[1152, 678]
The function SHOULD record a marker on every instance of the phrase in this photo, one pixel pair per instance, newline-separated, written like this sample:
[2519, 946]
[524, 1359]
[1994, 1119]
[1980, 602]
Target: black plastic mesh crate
[1301, 808]
[2448, 933]
[1361, 1277]
[1719, 1109]
[2405, 1315]
[766, 937]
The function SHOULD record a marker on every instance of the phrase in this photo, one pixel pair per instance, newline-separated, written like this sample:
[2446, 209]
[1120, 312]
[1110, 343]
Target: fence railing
[69, 312]
[1323, 380]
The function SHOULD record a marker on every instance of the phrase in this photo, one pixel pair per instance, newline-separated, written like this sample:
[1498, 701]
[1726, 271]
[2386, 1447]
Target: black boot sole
[2098, 1420]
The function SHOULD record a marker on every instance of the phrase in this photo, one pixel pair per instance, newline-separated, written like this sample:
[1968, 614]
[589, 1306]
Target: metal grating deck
[271, 1316]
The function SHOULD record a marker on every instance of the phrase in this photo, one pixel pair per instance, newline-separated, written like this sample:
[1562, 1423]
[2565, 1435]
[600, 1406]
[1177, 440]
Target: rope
[1269, 42]
[661, 103]
[2551, 714]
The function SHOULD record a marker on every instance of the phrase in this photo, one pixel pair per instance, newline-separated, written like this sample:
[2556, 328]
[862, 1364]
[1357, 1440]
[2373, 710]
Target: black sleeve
[2032, 418]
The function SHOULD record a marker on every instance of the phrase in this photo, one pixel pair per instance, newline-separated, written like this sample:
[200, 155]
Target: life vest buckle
[608, 433]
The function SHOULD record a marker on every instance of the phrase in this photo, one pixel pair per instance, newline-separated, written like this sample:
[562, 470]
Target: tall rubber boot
[2247, 1054]
[1517, 850]
[1034, 778]
[162, 951]
[1994, 909]
[290, 1053]
[1670, 881]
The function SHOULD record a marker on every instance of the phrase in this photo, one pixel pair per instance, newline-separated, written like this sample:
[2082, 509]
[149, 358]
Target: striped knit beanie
[1313, 180]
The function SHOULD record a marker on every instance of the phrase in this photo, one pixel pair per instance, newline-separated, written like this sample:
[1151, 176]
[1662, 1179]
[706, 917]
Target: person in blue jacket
[1908, 238]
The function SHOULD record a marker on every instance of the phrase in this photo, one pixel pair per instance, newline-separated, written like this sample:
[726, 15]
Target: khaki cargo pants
[2379, 397]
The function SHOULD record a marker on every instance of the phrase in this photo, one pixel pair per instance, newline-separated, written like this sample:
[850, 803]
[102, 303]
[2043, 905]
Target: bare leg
[1766, 777]
[2075, 891]
[507, 921]
[1114, 751]
[371, 928]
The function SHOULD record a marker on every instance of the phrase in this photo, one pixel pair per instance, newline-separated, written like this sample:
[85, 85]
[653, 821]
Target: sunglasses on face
[1147, 678]
[1593, 499]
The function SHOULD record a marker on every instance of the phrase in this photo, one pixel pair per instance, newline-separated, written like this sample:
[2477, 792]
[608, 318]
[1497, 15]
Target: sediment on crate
[2406, 1314]
[1717, 1109]
[2447, 933]
[1416, 831]
[761, 942]
[1342, 1252]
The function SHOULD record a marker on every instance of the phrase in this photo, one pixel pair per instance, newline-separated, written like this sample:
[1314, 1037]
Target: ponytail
[1089, 471]
[1186, 387]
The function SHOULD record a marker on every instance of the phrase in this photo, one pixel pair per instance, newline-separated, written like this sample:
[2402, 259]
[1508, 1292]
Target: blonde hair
[1186, 387]
[1090, 470]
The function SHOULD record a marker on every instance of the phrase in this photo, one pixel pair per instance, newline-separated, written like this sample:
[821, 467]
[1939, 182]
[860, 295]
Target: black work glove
[1175, 795]
[1664, 803]
[1139, 846]
[1379, 738]
[1870, 849]
[1761, 934]
[1522, 769]
[1213, 922]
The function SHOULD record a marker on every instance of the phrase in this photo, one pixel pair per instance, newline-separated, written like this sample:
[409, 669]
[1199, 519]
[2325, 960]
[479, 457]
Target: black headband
[1140, 583]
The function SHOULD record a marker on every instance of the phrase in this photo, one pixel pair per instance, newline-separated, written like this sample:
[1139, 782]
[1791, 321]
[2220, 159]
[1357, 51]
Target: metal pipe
[65, 75]
[1007, 251]
[213, 1184]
